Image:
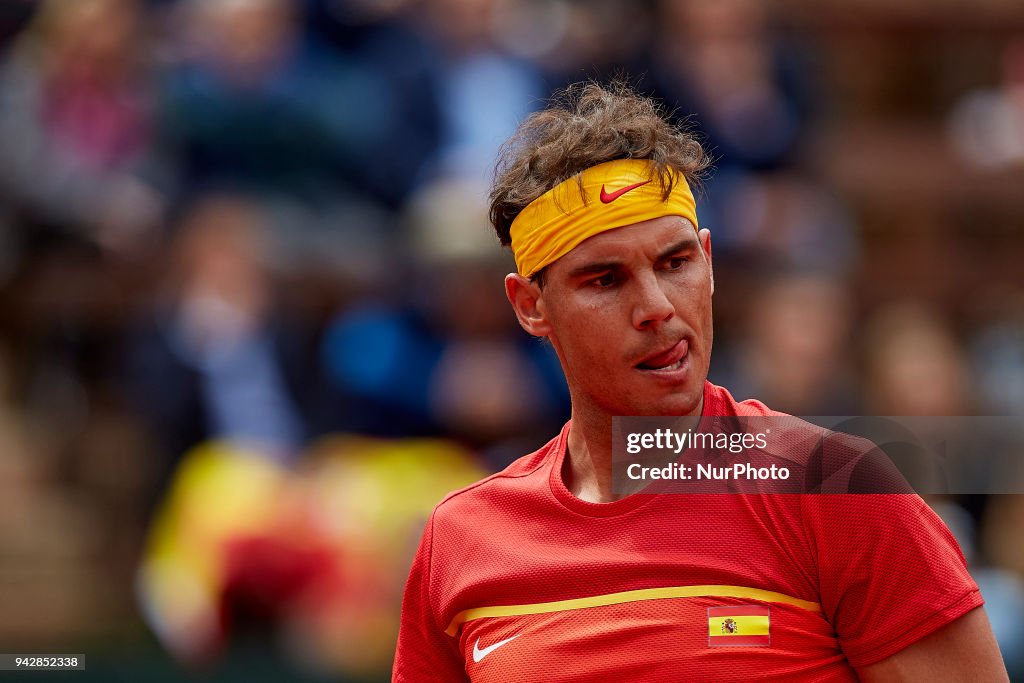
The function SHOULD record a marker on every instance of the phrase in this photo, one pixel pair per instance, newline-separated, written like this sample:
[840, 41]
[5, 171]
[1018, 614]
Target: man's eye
[676, 262]
[606, 280]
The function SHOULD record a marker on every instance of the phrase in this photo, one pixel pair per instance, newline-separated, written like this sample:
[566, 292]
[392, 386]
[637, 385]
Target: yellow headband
[615, 194]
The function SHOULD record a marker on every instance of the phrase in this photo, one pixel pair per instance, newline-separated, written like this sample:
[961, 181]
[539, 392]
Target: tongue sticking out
[670, 357]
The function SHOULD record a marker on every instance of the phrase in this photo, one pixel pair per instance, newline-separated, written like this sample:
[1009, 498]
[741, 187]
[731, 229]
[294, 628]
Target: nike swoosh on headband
[609, 197]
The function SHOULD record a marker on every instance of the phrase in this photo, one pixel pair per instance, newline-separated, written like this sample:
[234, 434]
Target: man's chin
[683, 399]
[678, 403]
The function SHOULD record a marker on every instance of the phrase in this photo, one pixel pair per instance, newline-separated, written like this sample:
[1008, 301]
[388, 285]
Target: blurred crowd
[252, 321]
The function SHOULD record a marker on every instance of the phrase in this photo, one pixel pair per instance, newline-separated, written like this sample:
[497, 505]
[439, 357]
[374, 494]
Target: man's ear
[704, 236]
[527, 301]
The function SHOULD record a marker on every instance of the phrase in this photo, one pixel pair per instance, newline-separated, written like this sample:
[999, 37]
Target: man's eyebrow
[591, 268]
[685, 244]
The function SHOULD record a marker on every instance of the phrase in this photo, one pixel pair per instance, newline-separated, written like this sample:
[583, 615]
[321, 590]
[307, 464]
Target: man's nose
[652, 306]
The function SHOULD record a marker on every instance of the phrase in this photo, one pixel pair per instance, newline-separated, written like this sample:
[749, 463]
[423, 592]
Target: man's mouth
[669, 359]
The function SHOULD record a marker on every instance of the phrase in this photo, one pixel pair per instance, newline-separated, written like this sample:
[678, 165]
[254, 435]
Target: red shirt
[516, 579]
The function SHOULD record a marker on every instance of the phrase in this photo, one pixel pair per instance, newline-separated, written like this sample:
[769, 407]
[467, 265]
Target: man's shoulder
[813, 447]
[522, 477]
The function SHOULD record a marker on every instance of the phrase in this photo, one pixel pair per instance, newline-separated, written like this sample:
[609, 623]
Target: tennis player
[542, 573]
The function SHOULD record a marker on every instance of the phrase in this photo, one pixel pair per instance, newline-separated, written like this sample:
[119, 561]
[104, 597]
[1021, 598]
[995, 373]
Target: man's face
[629, 313]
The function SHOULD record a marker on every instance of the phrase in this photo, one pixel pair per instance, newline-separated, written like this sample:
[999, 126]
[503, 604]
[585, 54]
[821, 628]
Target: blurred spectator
[575, 39]
[987, 126]
[78, 169]
[997, 353]
[794, 351]
[477, 113]
[75, 122]
[216, 360]
[386, 40]
[452, 360]
[915, 366]
[252, 105]
[50, 539]
[720, 61]
[724, 71]
[781, 217]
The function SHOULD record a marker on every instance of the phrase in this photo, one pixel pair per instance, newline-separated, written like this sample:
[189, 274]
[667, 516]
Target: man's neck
[587, 469]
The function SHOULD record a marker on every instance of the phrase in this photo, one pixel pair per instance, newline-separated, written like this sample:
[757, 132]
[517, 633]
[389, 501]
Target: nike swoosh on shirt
[609, 197]
[479, 654]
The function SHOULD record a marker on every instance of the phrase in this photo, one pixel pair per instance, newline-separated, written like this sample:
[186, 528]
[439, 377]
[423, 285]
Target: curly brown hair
[585, 125]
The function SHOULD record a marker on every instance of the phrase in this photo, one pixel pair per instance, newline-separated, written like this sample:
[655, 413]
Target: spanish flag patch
[739, 625]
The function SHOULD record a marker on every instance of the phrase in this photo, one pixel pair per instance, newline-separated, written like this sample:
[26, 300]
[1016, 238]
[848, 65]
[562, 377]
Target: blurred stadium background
[252, 323]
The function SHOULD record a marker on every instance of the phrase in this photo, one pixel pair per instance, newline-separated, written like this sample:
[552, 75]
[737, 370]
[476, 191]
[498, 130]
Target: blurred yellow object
[372, 498]
[218, 491]
[334, 540]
